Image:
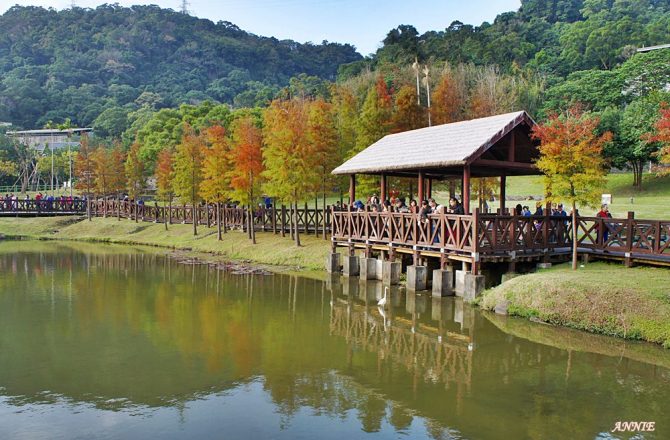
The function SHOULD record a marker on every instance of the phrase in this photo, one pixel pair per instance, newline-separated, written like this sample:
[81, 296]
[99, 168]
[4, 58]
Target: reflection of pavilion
[434, 351]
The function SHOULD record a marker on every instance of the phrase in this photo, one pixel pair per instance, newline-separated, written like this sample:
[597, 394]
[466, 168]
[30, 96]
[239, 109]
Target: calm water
[114, 342]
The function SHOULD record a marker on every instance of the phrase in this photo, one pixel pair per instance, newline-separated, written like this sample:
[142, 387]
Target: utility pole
[415, 66]
[426, 71]
[184, 7]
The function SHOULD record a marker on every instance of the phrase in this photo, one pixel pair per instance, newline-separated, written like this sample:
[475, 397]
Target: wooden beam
[352, 188]
[466, 189]
[487, 163]
[382, 191]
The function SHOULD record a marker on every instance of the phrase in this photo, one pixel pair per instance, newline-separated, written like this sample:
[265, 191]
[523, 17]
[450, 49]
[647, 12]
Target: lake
[102, 341]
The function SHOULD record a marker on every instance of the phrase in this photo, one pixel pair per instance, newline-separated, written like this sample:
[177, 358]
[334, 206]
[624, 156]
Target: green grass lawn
[610, 299]
[271, 249]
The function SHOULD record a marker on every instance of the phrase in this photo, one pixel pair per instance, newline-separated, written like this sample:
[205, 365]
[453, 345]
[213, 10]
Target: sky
[363, 23]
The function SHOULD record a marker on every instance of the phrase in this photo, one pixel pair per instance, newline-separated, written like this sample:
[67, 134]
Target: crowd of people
[41, 202]
[400, 205]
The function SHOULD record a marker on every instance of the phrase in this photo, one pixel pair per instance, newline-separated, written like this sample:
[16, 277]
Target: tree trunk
[297, 231]
[290, 221]
[251, 227]
[249, 222]
[574, 236]
[325, 223]
[194, 215]
[218, 221]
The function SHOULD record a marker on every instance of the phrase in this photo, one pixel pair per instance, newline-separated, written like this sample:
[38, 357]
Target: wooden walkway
[482, 238]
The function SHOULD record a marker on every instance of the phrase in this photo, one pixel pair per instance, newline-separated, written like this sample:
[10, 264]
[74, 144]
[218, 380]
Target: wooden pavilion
[496, 146]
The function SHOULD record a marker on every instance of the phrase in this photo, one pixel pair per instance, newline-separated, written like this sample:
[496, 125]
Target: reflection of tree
[136, 328]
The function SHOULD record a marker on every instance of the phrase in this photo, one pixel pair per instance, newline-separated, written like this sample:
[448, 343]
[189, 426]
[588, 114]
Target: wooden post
[305, 217]
[475, 241]
[466, 189]
[274, 218]
[352, 188]
[629, 238]
[422, 189]
[382, 190]
[511, 151]
[503, 183]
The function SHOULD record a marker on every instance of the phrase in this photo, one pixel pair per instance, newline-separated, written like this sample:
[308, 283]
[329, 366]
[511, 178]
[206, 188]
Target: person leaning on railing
[455, 207]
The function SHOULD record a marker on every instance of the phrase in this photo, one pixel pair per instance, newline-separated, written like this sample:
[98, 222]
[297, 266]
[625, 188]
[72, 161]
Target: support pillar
[460, 282]
[382, 190]
[368, 268]
[352, 189]
[422, 189]
[503, 183]
[466, 189]
[474, 286]
[443, 282]
[417, 277]
[333, 262]
[391, 272]
[350, 266]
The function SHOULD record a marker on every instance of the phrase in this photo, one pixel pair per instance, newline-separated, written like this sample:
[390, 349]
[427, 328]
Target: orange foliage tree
[164, 174]
[247, 165]
[446, 101]
[135, 173]
[289, 161]
[322, 137]
[83, 166]
[108, 170]
[572, 162]
[215, 186]
[662, 135]
[408, 114]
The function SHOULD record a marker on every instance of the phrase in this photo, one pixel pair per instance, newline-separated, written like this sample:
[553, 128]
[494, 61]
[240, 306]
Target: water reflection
[99, 330]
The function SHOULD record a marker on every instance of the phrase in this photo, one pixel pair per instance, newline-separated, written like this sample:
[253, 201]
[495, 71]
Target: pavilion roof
[445, 145]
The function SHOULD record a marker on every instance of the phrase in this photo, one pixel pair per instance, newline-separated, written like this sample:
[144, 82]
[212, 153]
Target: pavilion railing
[488, 234]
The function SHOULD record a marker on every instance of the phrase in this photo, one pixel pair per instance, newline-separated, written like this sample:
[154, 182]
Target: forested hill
[552, 37]
[77, 62]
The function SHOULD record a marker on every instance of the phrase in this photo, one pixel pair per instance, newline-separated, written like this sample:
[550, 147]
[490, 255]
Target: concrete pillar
[350, 266]
[368, 268]
[333, 263]
[391, 272]
[460, 282]
[417, 277]
[543, 265]
[379, 269]
[474, 286]
[443, 282]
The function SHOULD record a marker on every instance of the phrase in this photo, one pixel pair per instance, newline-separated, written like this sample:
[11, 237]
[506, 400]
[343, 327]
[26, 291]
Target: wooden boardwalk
[481, 238]
[475, 239]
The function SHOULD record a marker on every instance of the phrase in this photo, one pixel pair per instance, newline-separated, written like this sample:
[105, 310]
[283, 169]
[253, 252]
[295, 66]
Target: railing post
[475, 242]
[629, 238]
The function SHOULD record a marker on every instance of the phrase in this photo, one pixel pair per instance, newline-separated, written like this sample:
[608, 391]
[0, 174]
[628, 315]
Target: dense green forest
[553, 37]
[543, 58]
[77, 63]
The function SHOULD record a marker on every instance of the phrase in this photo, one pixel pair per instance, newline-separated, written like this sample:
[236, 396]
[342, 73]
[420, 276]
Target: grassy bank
[599, 298]
[271, 249]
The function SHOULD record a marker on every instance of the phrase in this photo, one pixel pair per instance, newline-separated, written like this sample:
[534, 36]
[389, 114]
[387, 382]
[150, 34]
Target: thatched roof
[441, 146]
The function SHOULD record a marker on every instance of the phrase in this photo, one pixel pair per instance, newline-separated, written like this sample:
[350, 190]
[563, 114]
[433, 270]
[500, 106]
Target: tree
[407, 114]
[572, 162]
[215, 186]
[447, 101]
[322, 137]
[287, 155]
[108, 170]
[164, 175]
[135, 174]
[188, 160]
[84, 169]
[247, 165]
[661, 134]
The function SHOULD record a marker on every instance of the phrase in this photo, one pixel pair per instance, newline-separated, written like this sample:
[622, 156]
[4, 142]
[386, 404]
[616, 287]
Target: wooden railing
[488, 234]
[309, 220]
[37, 207]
